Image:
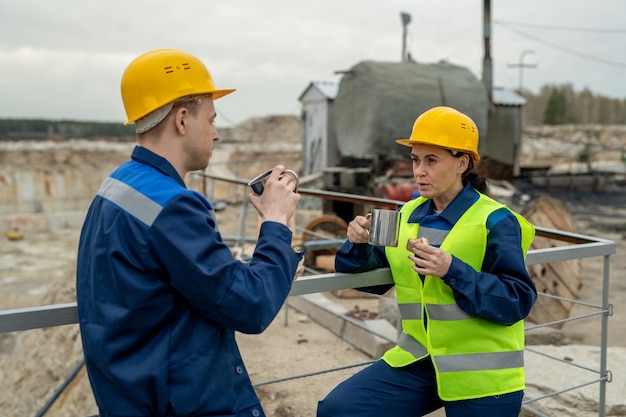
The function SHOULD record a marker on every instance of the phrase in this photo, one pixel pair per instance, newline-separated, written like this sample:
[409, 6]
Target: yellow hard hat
[159, 77]
[445, 127]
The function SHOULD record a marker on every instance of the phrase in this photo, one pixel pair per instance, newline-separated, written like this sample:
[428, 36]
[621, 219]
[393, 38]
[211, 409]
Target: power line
[565, 49]
[560, 28]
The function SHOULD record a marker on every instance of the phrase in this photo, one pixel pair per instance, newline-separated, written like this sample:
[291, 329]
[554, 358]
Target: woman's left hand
[429, 260]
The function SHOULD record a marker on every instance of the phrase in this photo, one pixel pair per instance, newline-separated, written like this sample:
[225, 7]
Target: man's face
[201, 136]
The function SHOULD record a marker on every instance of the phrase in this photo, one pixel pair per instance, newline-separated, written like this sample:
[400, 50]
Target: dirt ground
[39, 270]
[293, 344]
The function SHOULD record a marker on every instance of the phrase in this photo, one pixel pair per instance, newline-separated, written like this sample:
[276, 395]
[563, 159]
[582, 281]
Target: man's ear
[180, 120]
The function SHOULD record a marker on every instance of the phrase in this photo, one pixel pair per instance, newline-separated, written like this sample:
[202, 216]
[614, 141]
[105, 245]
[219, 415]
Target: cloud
[64, 59]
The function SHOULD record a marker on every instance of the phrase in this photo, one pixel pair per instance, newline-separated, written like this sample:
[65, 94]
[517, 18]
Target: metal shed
[319, 148]
[502, 144]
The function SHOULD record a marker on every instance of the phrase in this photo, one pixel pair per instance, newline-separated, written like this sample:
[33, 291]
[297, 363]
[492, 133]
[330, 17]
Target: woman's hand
[359, 230]
[430, 260]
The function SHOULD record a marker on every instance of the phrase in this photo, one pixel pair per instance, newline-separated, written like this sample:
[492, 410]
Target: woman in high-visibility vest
[462, 296]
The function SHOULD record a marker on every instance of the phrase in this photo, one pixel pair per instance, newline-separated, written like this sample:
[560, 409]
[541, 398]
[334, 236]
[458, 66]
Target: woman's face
[437, 173]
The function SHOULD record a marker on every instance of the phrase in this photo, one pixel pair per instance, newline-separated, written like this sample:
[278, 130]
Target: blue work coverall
[160, 297]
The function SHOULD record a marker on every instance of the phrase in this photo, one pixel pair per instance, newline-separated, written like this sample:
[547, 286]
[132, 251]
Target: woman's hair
[471, 175]
[478, 181]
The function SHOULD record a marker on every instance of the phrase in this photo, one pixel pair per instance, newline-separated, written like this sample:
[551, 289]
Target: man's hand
[279, 199]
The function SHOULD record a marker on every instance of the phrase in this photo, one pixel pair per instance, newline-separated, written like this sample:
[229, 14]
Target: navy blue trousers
[382, 391]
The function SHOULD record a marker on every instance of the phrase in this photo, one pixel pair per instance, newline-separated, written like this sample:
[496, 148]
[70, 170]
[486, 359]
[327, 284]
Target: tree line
[69, 129]
[561, 104]
[553, 105]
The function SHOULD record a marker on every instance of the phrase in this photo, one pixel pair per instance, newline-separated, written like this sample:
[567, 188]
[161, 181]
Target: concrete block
[321, 310]
[352, 293]
[382, 328]
[363, 335]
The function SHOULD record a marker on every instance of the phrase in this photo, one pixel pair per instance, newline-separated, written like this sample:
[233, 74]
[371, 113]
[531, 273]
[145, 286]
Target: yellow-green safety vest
[472, 357]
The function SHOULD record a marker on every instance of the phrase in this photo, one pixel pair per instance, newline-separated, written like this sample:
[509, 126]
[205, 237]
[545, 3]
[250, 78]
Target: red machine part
[402, 191]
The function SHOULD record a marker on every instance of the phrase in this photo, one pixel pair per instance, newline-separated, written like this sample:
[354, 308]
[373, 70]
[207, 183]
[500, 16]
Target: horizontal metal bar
[569, 300]
[568, 236]
[323, 244]
[555, 393]
[584, 246]
[337, 281]
[38, 317]
[570, 318]
[327, 195]
[48, 316]
[308, 374]
[536, 413]
[62, 314]
[565, 253]
[57, 315]
[557, 359]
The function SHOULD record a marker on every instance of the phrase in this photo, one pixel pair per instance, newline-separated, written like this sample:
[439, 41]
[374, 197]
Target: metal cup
[384, 227]
[258, 183]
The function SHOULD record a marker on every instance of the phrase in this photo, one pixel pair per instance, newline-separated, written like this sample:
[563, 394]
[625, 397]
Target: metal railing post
[241, 225]
[604, 332]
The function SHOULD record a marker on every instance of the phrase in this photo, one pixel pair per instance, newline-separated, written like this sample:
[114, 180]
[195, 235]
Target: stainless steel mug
[258, 183]
[384, 227]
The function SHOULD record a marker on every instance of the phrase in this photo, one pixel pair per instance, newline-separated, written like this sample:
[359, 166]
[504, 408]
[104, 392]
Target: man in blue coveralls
[160, 295]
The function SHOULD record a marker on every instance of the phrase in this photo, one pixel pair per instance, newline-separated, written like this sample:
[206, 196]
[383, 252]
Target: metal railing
[578, 247]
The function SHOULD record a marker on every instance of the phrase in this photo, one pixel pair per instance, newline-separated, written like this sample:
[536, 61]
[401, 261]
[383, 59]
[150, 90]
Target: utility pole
[521, 65]
[406, 19]
[487, 63]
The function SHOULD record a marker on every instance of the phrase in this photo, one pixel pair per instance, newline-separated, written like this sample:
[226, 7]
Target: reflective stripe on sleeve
[131, 200]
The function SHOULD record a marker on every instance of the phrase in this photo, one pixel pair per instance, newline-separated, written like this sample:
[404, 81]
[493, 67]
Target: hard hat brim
[408, 142]
[221, 93]
[215, 94]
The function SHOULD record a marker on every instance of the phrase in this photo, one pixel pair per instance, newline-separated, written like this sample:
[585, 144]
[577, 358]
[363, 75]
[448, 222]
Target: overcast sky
[64, 59]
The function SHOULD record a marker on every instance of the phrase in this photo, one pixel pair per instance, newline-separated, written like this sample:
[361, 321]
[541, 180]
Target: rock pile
[550, 145]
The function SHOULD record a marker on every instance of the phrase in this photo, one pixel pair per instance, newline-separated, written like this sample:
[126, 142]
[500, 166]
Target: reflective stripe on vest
[434, 236]
[480, 361]
[406, 342]
[413, 311]
[446, 312]
[410, 311]
[472, 357]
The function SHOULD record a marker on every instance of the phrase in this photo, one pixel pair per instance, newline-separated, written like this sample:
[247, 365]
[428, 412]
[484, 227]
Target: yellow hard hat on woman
[448, 128]
[159, 77]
